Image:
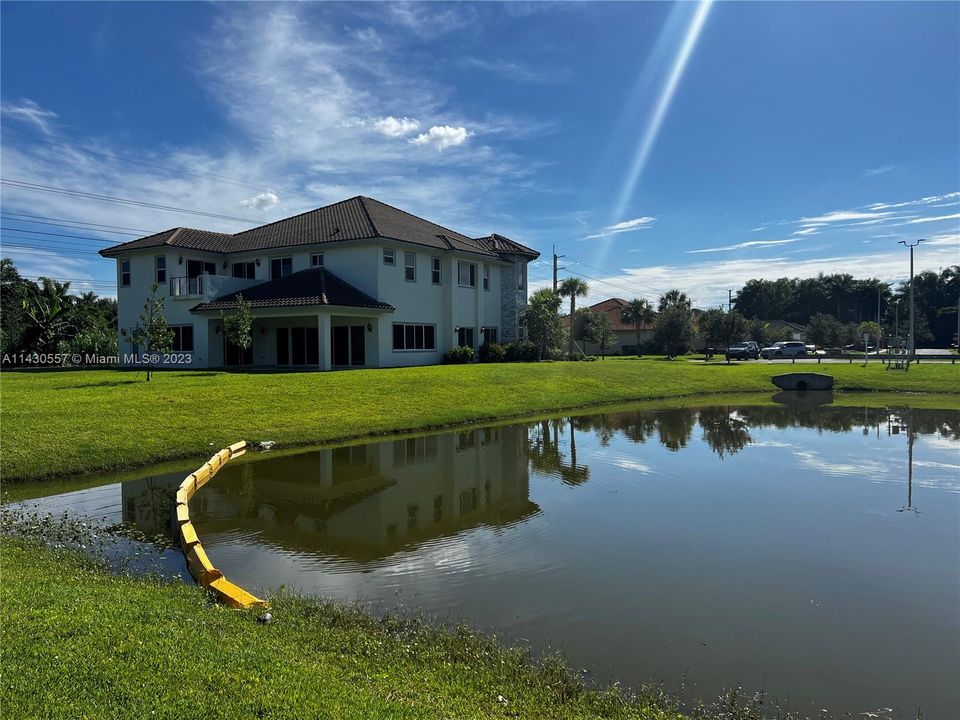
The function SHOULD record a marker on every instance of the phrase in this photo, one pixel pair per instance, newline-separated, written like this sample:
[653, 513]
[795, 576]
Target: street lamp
[912, 347]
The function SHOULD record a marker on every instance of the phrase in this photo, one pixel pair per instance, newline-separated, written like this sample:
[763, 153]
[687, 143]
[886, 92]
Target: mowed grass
[81, 643]
[60, 423]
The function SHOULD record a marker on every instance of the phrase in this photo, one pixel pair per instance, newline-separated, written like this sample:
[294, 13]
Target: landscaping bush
[493, 352]
[521, 351]
[458, 355]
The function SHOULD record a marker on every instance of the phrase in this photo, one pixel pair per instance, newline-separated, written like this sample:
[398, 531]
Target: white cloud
[442, 137]
[932, 219]
[396, 127]
[517, 71]
[743, 245]
[261, 201]
[30, 112]
[640, 223]
[844, 216]
[870, 172]
[807, 231]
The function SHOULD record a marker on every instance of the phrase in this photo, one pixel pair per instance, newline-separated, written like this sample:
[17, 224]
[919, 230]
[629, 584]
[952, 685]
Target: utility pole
[556, 267]
[729, 300]
[912, 344]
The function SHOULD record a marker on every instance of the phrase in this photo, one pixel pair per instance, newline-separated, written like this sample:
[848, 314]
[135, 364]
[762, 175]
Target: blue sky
[657, 145]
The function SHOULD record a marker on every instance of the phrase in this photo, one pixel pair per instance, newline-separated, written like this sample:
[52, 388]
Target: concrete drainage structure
[803, 381]
[198, 563]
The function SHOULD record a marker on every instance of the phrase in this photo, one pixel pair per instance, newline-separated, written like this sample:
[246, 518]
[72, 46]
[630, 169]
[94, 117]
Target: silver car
[784, 349]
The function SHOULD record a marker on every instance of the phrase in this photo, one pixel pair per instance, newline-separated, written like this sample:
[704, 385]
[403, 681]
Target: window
[389, 257]
[245, 270]
[435, 275]
[160, 265]
[520, 278]
[182, 338]
[467, 274]
[125, 273]
[281, 268]
[486, 277]
[410, 267]
[408, 336]
[316, 260]
[465, 337]
[488, 335]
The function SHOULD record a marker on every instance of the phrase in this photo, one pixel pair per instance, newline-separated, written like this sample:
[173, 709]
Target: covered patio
[310, 319]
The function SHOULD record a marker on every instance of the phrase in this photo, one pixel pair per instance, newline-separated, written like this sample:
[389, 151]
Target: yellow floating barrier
[188, 536]
[198, 563]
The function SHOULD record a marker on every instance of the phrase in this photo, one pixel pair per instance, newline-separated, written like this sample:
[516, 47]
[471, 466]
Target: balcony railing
[186, 286]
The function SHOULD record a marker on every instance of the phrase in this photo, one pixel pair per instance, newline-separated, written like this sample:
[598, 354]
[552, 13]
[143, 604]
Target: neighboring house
[793, 331]
[626, 333]
[355, 284]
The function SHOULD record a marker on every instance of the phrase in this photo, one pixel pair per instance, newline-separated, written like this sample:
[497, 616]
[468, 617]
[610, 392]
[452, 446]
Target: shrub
[493, 352]
[521, 351]
[458, 355]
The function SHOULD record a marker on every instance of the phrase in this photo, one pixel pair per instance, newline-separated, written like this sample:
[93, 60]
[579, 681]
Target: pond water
[811, 550]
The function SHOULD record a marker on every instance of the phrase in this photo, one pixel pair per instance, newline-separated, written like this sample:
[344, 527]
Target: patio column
[323, 332]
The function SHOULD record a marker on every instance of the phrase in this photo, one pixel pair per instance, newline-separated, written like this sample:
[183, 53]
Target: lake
[807, 549]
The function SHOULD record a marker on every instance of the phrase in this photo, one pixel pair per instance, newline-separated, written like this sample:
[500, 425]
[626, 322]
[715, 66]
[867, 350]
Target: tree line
[833, 306]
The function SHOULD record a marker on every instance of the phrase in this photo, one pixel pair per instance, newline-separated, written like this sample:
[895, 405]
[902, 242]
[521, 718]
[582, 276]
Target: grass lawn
[60, 423]
[80, 643]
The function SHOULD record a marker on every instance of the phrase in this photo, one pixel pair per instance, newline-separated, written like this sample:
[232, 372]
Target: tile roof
[315, 286]
[500, 244]
[354, 219]
[613, 308]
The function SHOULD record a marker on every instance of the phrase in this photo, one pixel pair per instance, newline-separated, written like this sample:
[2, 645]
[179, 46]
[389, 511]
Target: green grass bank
[78, 642]
[62, 423]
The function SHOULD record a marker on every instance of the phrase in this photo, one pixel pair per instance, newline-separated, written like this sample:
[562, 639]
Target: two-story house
[355, 284]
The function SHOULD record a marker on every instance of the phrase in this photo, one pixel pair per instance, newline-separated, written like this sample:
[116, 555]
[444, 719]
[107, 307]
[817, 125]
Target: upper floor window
[281, 267]
[316, 260]
[486, 277]
[160, 265]
[125, 273]
[245, 270]
[410, 267]
[521, 278]
[467, 274]
[435, 274]
[389, 257]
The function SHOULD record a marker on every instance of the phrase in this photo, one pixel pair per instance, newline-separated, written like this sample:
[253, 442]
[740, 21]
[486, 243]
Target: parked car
[784, 349]
[748, 350]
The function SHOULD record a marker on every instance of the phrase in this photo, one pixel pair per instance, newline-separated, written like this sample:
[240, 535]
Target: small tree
[151, 331]
[869, 328]
[544, 325]
[673, 330]
[639, 312]
[723, 328]
[598, 329]
[238, 328]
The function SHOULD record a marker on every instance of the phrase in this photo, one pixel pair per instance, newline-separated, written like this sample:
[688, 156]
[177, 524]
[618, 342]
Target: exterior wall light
[180, 260]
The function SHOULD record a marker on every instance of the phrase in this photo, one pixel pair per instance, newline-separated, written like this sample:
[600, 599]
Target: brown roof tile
[354, 219]
[315, 286]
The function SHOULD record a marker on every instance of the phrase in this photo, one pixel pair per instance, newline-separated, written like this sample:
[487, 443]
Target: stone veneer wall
[512, 299]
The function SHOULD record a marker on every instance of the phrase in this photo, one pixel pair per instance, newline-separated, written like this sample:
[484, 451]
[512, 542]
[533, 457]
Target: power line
[607, 270]
[66, 142]
[74, 224]
[52, 189]
[63, 235]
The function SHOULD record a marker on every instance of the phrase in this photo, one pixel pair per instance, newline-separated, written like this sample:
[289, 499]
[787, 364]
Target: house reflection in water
[365, 502]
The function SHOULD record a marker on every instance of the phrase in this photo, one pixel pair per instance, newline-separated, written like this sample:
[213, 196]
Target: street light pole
[912, 345]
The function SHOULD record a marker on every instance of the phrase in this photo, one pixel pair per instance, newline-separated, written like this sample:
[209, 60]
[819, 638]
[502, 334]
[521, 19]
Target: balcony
[186, 287]
[208, 286]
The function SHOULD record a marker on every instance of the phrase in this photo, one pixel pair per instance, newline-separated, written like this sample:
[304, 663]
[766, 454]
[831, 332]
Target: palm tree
[573, 288]
[639, 312]
[674, 297]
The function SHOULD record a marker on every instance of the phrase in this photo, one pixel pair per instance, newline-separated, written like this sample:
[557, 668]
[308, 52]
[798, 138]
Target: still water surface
[795, 549]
